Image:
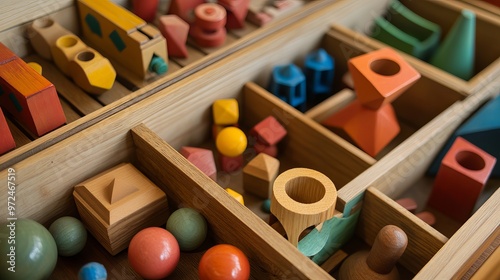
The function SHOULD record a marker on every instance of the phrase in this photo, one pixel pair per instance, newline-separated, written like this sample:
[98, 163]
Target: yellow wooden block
[65, 50]
[124, 37]
[37, 67]
[236, 195]
[92, 72]
[225, 111]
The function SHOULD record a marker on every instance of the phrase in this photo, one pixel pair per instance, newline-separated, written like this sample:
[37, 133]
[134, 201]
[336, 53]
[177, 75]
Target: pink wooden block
[460, 180]
[236, 12]
[231, 164]
[269, 131]
[271, 150]
[184, 9]
[176, 31]
[201, 158]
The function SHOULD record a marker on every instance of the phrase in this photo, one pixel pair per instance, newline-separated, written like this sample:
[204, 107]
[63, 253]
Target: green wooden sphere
[70, 235]
[189, 228]
[28, 248]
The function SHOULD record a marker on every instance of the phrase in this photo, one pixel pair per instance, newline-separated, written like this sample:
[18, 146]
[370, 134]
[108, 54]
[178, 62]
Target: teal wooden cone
[456, 53]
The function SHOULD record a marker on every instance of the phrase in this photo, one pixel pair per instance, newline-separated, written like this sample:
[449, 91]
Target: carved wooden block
[116, 204]
[225, 112]
[269, 131]
[201, 158]
[6, 140]
[184, 9]
[43, 34]
[236, 195]
[123, 36]
[302, 198]
[236, 12]
[259, 175]
[176, 31]
[381, 76]
[92, 72]
[208, 29]
[460, 180]
[371, 130]
[28, 96]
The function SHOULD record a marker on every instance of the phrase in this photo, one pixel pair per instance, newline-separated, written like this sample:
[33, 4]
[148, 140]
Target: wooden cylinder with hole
[43, 34]
[65, 50]
[302, 198]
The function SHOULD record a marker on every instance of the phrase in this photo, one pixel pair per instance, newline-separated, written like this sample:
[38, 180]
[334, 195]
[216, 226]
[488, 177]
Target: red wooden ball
[153, 253]
[224, 262]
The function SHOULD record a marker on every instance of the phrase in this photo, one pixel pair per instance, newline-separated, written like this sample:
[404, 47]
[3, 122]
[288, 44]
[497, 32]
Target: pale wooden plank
[116, 92]
[193, 56]
[455, 254]
[331, 105]
[423, 240]
[229, 220]
[81, 100]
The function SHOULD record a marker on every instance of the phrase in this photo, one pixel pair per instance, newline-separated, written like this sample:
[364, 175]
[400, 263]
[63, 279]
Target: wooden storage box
[148, 133]
[83, 109]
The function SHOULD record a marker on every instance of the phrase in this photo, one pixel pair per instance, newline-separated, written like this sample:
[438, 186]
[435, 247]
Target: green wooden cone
[456, 53]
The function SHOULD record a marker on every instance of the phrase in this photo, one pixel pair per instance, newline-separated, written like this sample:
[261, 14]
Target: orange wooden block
[371, 130]
[145, 9]
[118, 203]
[381, 76]
[176, 31]
[269, 131]
[184, 9]
[464, 171]
[6, 140]
[201, 158]
[28, 96]
[236, 12]
[259, 175]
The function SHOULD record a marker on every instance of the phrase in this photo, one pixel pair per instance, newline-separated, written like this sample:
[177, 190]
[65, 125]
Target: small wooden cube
[225, 111]
[118, 203]
[259, 175]
[236, 195]
[201, 158]
[269, 131]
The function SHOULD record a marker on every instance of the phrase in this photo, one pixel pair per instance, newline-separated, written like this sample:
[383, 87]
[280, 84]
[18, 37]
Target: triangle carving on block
[119, 189]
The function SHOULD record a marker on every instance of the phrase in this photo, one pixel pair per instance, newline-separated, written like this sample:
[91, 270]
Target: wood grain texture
[459, 249]
[229, 220]
[379, 210]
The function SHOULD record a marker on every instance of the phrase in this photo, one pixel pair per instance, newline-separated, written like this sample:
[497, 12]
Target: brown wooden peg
[380, 262]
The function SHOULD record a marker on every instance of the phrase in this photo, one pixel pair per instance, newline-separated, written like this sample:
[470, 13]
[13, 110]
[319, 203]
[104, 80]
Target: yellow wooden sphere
[231, 141]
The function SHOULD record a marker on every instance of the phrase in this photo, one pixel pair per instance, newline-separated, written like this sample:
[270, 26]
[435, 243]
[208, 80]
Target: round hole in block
[43, 23]
[86, 56]
[67, 41]
[209, 10]
[385, 67]
[470, 160]
[305, 189]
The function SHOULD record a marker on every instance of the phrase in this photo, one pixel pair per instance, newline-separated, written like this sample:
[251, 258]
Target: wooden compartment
[444, 13]
[83, 109]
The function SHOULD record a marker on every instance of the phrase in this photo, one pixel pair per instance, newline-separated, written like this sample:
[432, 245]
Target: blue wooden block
[319, 70]
[481, 129]
[289, 84]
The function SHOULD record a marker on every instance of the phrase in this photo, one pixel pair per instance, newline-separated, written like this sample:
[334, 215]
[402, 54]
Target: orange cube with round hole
[463, 173]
